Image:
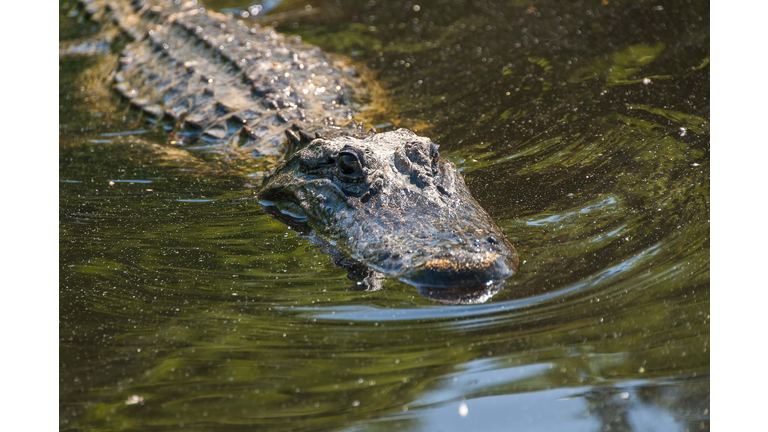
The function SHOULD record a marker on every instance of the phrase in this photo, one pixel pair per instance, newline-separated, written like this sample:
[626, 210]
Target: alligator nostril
[492, 241]
[462, 268]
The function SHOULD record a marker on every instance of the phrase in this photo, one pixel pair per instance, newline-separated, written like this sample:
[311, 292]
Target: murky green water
[582, 127]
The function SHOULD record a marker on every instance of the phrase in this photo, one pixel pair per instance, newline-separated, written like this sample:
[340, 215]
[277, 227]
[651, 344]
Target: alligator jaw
[460, 268]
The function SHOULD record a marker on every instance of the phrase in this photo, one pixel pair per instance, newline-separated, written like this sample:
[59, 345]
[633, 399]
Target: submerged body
[387, 200]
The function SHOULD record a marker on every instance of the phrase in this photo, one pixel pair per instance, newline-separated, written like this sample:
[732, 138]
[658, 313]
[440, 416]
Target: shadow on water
[582, 127]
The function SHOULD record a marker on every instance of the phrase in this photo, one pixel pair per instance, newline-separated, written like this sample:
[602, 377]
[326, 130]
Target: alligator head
[390, 201]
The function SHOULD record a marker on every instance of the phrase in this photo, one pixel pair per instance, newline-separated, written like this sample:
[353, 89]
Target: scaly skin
[387, 200]
[222, 78]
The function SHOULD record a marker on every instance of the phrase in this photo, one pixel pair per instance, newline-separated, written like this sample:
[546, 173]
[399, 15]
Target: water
[582, 128]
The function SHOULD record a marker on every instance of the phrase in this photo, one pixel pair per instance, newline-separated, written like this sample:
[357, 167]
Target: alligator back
[222, 79]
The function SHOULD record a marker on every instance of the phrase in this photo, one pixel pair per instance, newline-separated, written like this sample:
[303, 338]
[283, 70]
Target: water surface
[582, 127]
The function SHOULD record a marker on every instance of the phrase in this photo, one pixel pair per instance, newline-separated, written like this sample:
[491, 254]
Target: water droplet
[134, 399]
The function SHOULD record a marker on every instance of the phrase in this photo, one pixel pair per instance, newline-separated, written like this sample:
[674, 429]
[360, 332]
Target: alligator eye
[348, 163]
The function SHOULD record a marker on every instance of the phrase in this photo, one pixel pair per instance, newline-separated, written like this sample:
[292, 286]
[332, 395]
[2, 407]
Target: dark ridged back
[224, 79]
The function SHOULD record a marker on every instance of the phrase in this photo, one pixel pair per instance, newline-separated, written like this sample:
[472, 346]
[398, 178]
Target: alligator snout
[459, 268]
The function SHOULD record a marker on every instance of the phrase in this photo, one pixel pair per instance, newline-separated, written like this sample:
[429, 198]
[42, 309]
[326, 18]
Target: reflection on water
[581, 127]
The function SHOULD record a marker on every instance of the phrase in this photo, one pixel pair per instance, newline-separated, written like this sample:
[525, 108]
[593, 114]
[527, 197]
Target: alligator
[387, 201]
